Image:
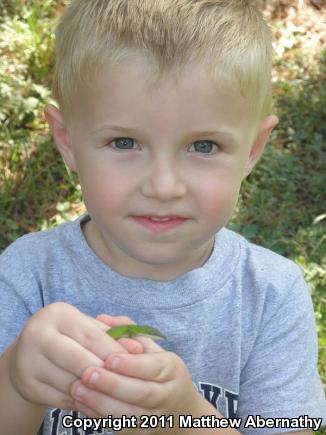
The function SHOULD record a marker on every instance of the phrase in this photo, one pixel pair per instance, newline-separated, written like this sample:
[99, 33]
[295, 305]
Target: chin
[158, 259]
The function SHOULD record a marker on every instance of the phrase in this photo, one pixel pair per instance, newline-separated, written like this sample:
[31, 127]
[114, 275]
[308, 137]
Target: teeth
[160, 219]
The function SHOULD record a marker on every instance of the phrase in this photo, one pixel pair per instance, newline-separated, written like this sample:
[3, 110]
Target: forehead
[122, 94]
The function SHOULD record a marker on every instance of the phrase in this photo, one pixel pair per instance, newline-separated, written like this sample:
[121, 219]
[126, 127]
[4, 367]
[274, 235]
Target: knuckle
[34, 332]
[150, 398]
[26, 389]
[29, 331]
[165, 366]
[176, 362]
[161, 372]
[29, 389]
[88, 335]
[58, 307]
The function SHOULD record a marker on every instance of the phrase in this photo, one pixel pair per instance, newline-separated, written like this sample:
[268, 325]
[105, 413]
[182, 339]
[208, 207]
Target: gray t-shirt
[243, 322]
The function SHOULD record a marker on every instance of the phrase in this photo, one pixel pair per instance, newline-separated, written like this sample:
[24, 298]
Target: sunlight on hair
[228, 35]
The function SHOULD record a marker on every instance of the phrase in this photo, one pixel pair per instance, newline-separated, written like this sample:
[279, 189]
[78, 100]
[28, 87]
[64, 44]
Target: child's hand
[130, 344]
[54, 348]
[153, 383]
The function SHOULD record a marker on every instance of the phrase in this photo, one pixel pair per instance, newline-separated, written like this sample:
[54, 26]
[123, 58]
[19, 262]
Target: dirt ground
[298, 16]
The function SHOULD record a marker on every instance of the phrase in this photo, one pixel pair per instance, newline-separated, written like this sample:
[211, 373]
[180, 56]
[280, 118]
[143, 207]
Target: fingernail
[93, 378]
[115, 363]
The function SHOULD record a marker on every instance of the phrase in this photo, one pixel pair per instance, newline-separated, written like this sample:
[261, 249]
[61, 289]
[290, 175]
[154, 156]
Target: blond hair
[229, 35]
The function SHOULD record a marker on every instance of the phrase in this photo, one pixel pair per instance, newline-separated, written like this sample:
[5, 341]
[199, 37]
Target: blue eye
[123, 143]
[200, 146]
[204, 146]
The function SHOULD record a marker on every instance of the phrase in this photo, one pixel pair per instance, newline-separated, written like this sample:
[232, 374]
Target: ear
[266, 128]
[55, 120]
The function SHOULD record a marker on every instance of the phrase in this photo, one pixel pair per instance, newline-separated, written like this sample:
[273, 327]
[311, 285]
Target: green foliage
[26, 50]
[28, 159]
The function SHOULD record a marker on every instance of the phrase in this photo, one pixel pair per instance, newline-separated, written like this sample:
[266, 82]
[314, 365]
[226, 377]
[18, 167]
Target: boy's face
[168, 165]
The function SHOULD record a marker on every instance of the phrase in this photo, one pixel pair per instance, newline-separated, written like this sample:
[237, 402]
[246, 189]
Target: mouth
[157, 224]
[162, 218]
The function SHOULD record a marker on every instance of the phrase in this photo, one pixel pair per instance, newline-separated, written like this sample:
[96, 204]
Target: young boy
[165, 107]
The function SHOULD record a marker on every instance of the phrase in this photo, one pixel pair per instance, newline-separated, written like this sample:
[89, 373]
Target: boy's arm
[16, 414]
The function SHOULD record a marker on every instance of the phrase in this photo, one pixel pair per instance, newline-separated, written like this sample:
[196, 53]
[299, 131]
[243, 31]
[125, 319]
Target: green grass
[282, 202]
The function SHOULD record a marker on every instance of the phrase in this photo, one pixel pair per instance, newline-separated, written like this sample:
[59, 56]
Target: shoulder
[34, 248]
[263, 263]
[29, 245]
[268, 280]
[34, 266]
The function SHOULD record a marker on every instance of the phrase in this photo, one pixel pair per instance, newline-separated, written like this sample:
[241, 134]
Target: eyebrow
[134, 130]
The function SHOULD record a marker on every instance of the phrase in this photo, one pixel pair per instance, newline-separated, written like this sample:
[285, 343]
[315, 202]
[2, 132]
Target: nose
[163, 180]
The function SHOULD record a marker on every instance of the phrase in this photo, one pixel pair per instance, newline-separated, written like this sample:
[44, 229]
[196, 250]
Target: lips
[157, 224]
[161, 218]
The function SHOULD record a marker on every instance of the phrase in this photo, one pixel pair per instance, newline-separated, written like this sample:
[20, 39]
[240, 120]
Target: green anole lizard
[131, 331]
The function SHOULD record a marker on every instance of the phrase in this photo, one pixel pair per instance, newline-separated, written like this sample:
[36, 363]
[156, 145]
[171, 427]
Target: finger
[115, 320]
[54, 398]
[131, 345]
[88, 412]
[101, 325]
[54, 376]
[89, 335]
[157, 367]
[80, 397]
[149, 345]
[105, 319]
[72, 356]
[108, 402]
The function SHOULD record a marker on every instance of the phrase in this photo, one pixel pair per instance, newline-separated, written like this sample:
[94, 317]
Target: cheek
[104, 187]
[217, 194]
